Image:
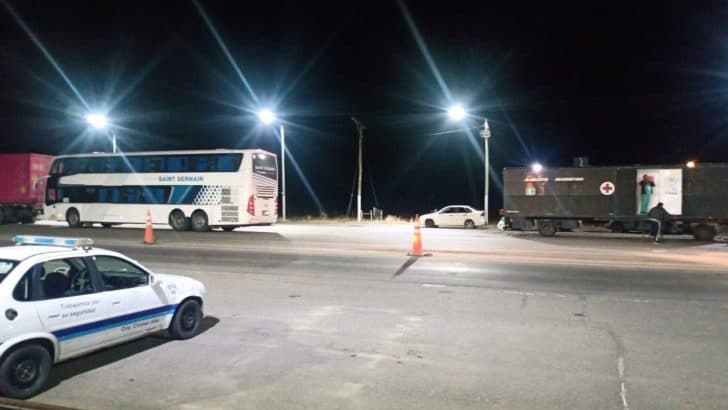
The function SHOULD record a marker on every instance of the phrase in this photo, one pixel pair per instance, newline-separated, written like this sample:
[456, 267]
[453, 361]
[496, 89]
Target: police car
[61, 298]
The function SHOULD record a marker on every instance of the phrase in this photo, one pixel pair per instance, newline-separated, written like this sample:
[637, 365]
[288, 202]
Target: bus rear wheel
[199, 221]
[178, 221]
[73, 218]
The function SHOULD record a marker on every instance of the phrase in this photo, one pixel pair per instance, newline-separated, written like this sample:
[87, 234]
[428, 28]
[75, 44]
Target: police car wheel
[24, 371]
[186, 321]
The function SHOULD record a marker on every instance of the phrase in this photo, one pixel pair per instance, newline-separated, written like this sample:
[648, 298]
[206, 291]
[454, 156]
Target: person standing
[657, 217]
[647, 186]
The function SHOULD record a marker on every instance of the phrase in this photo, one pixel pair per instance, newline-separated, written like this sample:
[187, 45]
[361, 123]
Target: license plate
[266, 213]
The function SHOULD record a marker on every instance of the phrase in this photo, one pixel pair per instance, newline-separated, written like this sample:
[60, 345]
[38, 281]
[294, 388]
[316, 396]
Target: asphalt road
[338, 316]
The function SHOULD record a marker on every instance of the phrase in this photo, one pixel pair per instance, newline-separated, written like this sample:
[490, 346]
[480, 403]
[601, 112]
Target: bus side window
[152, 164]
[202, 163]
[107, 165]
[82, 165]
[135, 164]
[154, 195]
[70, 166]
[227, 163]
[177, 164]
[126, 195]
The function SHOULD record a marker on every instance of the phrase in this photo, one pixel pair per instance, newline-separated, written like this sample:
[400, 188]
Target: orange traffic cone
[417, 240]
[148, 233]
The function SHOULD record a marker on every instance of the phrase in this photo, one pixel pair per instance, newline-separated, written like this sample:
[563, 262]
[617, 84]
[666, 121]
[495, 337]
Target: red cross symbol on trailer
[606, 188]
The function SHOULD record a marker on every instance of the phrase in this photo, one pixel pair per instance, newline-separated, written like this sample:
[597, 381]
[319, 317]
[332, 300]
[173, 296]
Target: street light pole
[283, 169]
[267, 116]
[485, 133]
[458, 113]
[360, 127]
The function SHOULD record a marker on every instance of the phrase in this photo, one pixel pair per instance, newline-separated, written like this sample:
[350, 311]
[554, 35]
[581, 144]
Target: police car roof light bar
[83, 243]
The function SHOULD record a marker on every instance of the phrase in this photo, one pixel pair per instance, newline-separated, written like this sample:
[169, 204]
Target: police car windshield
[5, 268]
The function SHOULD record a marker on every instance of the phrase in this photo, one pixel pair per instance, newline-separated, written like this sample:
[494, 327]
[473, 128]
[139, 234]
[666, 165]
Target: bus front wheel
[178, 221]
[73, 218]
[199, 221]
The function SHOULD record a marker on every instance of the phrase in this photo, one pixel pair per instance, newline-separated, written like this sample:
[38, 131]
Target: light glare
[536, 167]
[691, 164]
[456, 112]
[266, 116]
[98, 121]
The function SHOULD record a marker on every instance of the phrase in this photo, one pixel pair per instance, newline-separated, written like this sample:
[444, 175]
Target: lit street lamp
[536, 167]
[458, 113]
[100, 122]
[268, 117]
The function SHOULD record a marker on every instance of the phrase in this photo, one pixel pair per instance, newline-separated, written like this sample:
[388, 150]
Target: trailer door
[624, 194]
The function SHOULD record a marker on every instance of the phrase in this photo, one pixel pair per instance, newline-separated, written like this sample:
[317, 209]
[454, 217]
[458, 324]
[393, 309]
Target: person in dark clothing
[647, 185]
[657, 217]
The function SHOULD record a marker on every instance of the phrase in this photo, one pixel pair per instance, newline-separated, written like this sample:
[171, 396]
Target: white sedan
[61, 298]
[454, 215]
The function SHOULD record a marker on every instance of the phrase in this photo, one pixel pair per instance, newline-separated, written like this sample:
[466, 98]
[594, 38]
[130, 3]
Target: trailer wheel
[617, 227]
[704, 233]
[547, 227]
[73, 218]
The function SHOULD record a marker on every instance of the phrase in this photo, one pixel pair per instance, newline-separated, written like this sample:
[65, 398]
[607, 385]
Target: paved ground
[337, 316]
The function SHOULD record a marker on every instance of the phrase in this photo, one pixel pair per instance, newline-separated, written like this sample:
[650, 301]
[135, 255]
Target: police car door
[68, 303]
[135, 308]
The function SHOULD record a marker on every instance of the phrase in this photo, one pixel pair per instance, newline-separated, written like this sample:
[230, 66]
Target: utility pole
[485, 134]
[283, 163]
[360, 127]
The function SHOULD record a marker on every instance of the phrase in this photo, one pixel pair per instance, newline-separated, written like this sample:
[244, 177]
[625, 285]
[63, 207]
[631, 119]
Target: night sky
[618, 82]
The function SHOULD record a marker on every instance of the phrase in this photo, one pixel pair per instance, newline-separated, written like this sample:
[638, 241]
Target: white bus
[196, 190]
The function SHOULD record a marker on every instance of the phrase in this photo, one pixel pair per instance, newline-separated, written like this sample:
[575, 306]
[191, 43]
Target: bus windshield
[265, 165]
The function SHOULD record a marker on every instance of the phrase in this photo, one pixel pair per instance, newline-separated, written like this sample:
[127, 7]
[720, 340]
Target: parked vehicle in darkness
[22, 186]
[462, 216]
[555, 199]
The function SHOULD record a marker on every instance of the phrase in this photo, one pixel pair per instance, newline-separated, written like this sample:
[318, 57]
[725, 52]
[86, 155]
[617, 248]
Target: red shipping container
[22, 178]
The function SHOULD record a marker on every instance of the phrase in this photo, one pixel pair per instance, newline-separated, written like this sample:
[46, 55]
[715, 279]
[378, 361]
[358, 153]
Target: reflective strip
[101, 325]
